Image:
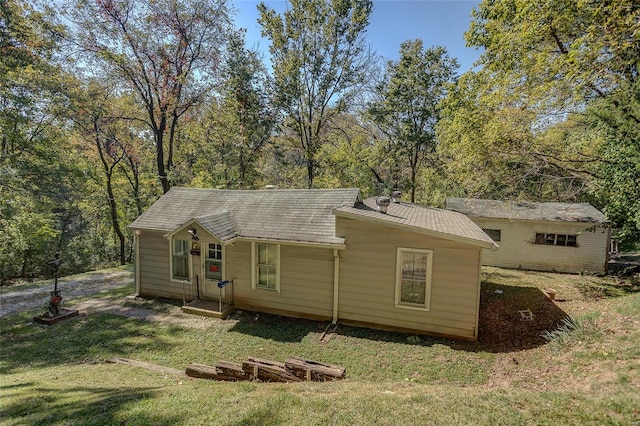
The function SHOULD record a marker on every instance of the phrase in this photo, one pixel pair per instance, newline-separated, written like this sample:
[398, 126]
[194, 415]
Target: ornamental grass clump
[574, 329]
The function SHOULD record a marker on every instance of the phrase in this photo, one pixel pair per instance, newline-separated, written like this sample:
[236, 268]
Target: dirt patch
[504, 328]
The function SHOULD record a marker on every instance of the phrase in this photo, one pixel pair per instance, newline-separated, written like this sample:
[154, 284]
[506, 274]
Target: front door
[213, 264]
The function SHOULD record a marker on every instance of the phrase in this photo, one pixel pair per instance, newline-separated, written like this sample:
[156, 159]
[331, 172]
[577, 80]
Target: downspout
[136, 263]
[336, 282]
[607, 250]
[475, 329]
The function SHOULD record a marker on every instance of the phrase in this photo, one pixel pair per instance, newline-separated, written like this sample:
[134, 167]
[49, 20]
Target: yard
[591, 375]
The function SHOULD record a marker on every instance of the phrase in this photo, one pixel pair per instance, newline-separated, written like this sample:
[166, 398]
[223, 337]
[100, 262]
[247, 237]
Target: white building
[562, 237]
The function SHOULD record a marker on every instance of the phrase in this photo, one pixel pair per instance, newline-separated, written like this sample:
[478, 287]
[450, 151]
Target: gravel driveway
[15, 300]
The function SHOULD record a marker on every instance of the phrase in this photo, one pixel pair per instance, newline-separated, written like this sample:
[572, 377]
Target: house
[562, 237]
[323, 254]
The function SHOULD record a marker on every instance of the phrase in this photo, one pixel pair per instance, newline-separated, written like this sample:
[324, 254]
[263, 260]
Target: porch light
[193, 232]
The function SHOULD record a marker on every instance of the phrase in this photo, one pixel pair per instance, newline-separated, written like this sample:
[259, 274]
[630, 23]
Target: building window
[180, 259]
[213, 262]
[266, 269]
[413, 278]
[565, 240]
[494, 234]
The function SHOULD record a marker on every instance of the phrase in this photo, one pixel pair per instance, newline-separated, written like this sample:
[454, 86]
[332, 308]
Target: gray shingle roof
[430, 220]
[522, 210]
[220, 225]
[280, 214]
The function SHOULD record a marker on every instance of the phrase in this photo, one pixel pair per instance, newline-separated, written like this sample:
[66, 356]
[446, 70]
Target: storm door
[213, 269]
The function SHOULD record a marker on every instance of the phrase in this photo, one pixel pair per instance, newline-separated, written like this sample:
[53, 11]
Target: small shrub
[570, 329]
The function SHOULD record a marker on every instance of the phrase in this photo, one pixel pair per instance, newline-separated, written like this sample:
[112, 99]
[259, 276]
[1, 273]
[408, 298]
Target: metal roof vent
[395, 196]
[383, 202]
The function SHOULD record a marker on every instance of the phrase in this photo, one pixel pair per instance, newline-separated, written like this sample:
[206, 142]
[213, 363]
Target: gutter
[336, 284]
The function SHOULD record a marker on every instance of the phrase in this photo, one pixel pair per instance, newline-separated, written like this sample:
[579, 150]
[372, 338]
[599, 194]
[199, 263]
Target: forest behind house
[107, 104]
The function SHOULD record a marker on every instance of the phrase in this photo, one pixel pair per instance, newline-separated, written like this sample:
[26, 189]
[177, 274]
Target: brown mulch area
[501, 325]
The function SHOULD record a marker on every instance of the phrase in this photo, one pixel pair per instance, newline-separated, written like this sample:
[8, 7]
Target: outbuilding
[323, 254]
[559, 237]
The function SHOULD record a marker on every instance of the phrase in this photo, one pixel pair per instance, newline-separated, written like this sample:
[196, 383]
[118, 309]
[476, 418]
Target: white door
[213, 264]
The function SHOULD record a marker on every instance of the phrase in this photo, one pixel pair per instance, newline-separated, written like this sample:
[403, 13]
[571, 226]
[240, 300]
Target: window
[413, 278]
[494, 234]
[180, 259]
[213, 262]
[266, 269]
[565, 240]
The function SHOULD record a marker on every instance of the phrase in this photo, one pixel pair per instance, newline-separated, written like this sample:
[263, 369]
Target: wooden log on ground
[307, 369]
[202, 371]
[231, 369]
[145, 365]
[268, 371]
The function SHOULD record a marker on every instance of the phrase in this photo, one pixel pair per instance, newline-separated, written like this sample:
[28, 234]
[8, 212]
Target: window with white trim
[213, 262]
[180, 259]
[266, 266]
[413, 278]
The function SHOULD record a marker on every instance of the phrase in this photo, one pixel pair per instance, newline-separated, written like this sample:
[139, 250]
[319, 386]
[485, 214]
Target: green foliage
[408, 105]
[235, 128]
[517, 127]
[348, 158]
[557, 53]
[570, 330]
[617, 188]
[319, 58]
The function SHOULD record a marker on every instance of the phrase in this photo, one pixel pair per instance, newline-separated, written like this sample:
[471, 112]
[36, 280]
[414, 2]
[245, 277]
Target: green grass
[56, 375]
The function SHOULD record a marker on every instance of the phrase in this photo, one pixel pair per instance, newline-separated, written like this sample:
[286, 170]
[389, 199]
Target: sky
[436, 22]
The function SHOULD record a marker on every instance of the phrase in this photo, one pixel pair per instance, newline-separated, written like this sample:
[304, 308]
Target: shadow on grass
[85, 338]
[605, 290]
[80, 405]
[274, 327]
[501, 328]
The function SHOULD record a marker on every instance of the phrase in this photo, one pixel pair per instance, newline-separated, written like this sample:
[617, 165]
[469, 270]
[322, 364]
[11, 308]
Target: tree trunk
[113, 209]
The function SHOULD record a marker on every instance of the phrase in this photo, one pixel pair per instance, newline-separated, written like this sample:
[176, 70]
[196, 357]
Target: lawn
[591, 375]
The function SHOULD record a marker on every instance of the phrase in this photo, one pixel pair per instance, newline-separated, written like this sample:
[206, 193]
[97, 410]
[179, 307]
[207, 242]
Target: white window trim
[189, 262]
[254, 267]
[427, 290]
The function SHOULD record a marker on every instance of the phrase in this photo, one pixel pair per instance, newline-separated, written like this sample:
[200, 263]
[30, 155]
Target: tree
[618, 172]
[350, 157]
[242, 123]
[319, 58]
[98, 125]
[407, 109]
[559, 53]
[166, 51]
[41, 177]
[491, 147]
[558, 60]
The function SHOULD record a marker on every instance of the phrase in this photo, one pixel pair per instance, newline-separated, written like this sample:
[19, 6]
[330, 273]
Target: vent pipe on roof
[383, 202]
[395, 196]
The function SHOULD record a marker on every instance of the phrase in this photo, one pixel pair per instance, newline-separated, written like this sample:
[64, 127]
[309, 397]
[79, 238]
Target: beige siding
[517, 248]
[306, 281]
[367, 280]
[154, 267]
